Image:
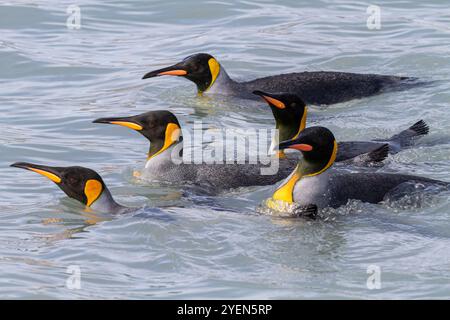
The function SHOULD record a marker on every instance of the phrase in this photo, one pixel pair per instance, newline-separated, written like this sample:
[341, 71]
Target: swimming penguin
[314, 184]
[318, 88]
[79, 183]
[164, 160]
[290, 114]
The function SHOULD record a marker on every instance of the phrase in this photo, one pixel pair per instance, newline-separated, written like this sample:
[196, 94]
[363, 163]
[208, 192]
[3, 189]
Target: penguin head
[79, 183]
[318, 146]
[200, 68]
[289, 112]
[160, 127]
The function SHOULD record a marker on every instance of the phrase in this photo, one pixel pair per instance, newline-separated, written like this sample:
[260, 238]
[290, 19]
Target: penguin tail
[394, 83]
[407, 137]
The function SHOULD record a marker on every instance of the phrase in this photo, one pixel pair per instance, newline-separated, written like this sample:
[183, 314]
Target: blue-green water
[54, 81]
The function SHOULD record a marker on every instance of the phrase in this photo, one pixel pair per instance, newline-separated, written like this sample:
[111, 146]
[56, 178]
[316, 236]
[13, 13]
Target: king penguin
[315, 87]
[79, 183]
[314, 184]
[290, 113]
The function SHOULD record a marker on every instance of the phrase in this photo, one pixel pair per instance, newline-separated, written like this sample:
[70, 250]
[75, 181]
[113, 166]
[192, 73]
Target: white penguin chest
[312, 190]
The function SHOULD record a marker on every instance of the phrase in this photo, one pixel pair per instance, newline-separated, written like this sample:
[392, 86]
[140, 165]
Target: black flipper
[372, 157]
[377, 155]
[408, 136]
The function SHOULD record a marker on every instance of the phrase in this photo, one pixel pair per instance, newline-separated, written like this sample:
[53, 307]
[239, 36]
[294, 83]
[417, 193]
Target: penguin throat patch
[285, 192]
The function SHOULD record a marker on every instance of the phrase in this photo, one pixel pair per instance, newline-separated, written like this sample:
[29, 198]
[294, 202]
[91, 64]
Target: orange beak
[173, 73]
[275, 102]
[301, 147]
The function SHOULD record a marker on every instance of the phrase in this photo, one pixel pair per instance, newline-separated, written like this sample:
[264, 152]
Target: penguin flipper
[374, 156]
[407, 137]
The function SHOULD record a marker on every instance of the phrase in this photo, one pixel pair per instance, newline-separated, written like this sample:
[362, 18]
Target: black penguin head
[160, 127]
[200, 68]
[318, 146]
[289, 112]
[79, 183]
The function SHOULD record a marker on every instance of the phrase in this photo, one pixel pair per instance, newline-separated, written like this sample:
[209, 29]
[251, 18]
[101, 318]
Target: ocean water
[55, 80]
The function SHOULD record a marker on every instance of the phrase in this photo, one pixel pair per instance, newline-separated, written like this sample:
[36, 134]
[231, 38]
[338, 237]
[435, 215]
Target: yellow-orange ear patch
[93, 189]
[173, 133]
[303, 122]
[214, 68]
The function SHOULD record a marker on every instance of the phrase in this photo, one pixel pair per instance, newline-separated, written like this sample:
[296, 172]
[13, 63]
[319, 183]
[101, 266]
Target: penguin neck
[164, 155]
[222, 84]
[156, 147]
[284, 132]
[106, 203]
[304, 169]
[313, 168]
[161, 146]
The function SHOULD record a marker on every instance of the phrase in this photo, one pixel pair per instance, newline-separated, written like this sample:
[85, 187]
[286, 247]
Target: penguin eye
[151, 124]
[293, 104]
[194, 67]
[72, 180]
